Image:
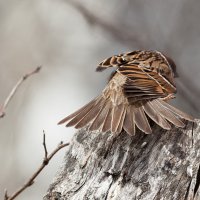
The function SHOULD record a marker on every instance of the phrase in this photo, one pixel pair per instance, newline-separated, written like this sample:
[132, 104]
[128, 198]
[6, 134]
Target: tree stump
[163, 165]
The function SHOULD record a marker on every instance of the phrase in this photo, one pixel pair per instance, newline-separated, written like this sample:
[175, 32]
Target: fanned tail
[162, 113]
[98, 114]
[84, 115]
[176, 111]
[101, 114]
[129, 121]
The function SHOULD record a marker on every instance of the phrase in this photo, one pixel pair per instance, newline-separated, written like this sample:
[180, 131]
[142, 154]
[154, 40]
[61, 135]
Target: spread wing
[141, 85]
[142, 67]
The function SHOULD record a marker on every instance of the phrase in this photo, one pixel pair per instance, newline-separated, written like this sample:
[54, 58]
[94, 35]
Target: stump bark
[163, 165]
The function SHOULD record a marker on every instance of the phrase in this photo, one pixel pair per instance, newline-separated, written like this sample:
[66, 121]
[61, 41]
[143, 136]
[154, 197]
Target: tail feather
[107, 121]
[119, 129]
[101, 114]
[98, 121]
[82, 111]
[141, 120]
[117, 114]
[167, 114]
[90, 115]
[178, 112]
[156, 117]
[129, 124]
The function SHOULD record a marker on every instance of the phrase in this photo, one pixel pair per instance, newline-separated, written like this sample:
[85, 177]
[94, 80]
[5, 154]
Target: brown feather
[129, 124]
[90, 115]
[107, 122]
[141, 120]
[176, 111]
[140, 76]
[81, 111]
[100, 117]
[116, 117]
[167, 114]
[119, 129]
[156, 117]
[82, 114]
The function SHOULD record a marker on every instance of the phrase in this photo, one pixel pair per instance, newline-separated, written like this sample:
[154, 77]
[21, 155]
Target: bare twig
[6, 195]
[45, 162]
[45, 147]
[14, 90]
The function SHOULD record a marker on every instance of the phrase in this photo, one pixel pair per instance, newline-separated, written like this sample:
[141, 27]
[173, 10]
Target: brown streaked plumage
[139, 87]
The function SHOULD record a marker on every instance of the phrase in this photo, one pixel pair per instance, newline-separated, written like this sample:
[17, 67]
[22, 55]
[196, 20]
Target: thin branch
[14, 90]
[6, 195]
[45, 147]
[45, 162]
[129, 37]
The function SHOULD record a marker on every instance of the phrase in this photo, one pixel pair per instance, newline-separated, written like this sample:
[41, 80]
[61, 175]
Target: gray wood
[164, 165]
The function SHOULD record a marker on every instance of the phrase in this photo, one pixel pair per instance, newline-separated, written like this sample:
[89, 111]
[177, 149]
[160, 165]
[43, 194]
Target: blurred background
[69, 38]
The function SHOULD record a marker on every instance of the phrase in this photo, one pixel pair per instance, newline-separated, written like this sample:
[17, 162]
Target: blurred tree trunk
[164, 165]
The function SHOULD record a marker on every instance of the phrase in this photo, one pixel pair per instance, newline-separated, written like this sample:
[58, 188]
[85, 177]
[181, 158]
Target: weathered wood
[164, 165]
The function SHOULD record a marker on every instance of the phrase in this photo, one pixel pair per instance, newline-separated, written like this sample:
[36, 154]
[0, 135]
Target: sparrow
[138, 91]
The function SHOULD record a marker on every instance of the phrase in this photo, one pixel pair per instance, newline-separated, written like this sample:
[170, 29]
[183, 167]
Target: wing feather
[139, 85]
[117, 60]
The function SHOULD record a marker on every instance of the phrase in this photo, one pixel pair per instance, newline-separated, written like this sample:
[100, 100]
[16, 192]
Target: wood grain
[162, 165]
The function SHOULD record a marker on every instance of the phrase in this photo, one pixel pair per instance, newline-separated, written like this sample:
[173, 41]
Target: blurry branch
[187, 88]
[45, 162]
[126, 36]
[118, 32]
[14, 90]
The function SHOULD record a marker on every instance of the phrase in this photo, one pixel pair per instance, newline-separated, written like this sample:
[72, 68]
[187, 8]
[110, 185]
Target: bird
[138, 91]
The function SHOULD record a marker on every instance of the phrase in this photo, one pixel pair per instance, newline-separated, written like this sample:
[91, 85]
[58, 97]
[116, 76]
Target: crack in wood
[122, 168]
[188, 191]
[108, 189]
[197, 181]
